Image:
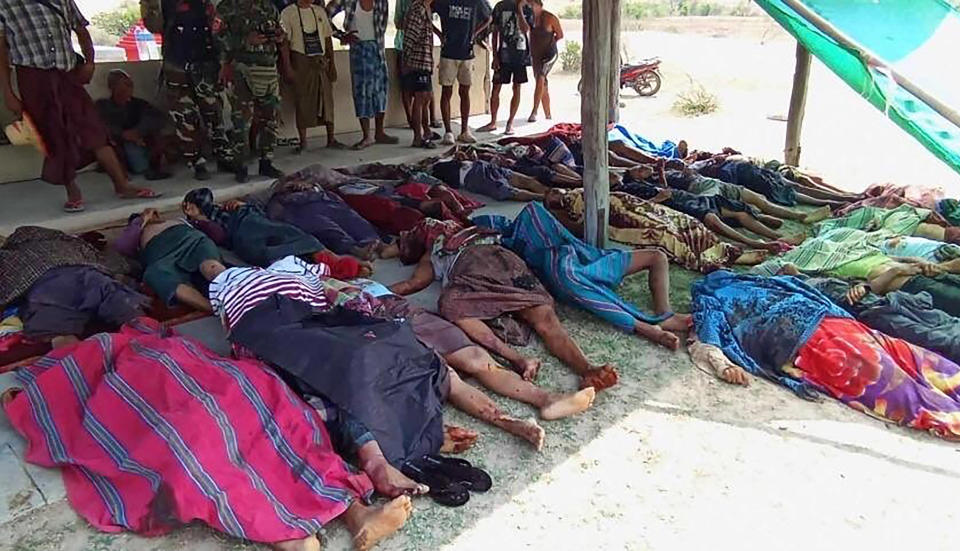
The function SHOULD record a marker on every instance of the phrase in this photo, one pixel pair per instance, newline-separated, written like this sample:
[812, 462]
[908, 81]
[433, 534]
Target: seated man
[136, 128]
[64, 285]
[482, 282]
[781, 329]
[175, 257]
[256, 239]
[488, 179]
[684, 240]
[712, 211]
[337, 345]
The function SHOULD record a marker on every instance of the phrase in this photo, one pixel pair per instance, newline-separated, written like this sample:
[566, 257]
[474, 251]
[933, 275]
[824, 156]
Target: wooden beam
[798, 104]
[594, 112]
[615, 6]
[873, 60]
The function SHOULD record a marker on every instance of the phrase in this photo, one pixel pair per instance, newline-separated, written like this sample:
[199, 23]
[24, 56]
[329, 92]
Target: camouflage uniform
[256, 83]
[191, 76]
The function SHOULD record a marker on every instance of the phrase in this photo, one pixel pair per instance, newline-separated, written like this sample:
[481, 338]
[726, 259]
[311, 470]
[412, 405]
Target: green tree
[116, 22]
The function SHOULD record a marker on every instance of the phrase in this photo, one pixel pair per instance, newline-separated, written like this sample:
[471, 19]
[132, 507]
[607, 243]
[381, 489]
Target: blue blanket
[759, 322]
[574, 272]
[667, 149]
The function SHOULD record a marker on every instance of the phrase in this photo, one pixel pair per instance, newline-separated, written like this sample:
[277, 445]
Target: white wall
[24, 163]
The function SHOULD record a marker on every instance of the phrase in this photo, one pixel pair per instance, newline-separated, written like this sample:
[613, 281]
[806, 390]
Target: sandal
[74, 206]
[460, 470]
[443, 490]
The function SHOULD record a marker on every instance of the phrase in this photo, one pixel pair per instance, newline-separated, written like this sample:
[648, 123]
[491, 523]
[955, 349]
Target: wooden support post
[798, 103]
[615, 6]
[594, 112]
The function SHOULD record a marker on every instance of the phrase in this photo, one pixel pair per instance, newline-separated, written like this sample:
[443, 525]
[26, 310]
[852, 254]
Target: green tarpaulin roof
[918, 39]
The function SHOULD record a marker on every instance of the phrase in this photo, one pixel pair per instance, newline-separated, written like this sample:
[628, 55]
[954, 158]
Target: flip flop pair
[450, 479]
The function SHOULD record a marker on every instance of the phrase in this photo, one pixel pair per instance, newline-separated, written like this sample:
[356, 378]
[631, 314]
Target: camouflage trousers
[196, 107]
[255, 97]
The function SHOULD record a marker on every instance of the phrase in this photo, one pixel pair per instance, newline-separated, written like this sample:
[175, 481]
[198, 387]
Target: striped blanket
[153, 431]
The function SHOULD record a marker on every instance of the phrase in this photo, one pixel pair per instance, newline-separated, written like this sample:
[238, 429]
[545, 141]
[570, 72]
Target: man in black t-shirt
[462, 21]
[512, 20]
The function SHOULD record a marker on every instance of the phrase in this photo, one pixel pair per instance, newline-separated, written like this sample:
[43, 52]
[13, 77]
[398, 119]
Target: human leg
[387, 479]
[658, 278]
[480, 333]
[808, 200]
[713, 222]
[514, 106]
[475, 362]
[416, 116]
[465, 135]
[545, 99]
[544, 321]
[446, 94]
[494, 106]
[537, 95]
[527, 183]
[477, 404]
[748, 221]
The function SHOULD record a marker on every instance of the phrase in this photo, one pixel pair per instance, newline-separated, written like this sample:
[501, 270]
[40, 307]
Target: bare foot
[752, 257]
[388, 251]
[373, 524]
[527, 368]
[335, 144]
[387, 139]
[488, 128]
[508, 131]
[457, 440]
[527, 429]
[63, 340]
[600, 378]
[569, 404]
[390, 482]
[658, 334]
[362, 144]
[677, 323]
[818, 215]
[310, 543]
[365, 252]
[794, 239]
[532, 118]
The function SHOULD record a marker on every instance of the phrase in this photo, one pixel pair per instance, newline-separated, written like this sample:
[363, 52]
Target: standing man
[512, 20]
[365, 22]
[191, 68]
[35, 38]
[250, 39]
[416, 72]
[308, 63]
[544, 34]
[462, 22]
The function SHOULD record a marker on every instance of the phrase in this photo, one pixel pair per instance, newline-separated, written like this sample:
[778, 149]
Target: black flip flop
[443, 490]
[460, 470]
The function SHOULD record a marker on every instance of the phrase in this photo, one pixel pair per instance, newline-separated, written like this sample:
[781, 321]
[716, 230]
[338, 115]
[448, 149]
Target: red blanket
[153, 431]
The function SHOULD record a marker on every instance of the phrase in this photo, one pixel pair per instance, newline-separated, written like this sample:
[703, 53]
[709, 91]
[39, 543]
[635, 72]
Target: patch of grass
[696, 101]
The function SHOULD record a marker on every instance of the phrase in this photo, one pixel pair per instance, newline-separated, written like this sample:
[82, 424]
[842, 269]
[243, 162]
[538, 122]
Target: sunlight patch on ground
[662, 481]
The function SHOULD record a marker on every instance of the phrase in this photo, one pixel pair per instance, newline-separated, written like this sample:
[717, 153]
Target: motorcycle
[643, 77]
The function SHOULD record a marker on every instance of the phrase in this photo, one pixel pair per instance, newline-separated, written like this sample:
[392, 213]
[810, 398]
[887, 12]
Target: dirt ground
[672, 458]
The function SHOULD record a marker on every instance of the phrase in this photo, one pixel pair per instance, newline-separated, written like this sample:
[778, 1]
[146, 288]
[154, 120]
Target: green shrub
[573, 11]
[571, 57]
[116, 21]
[696, 101]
